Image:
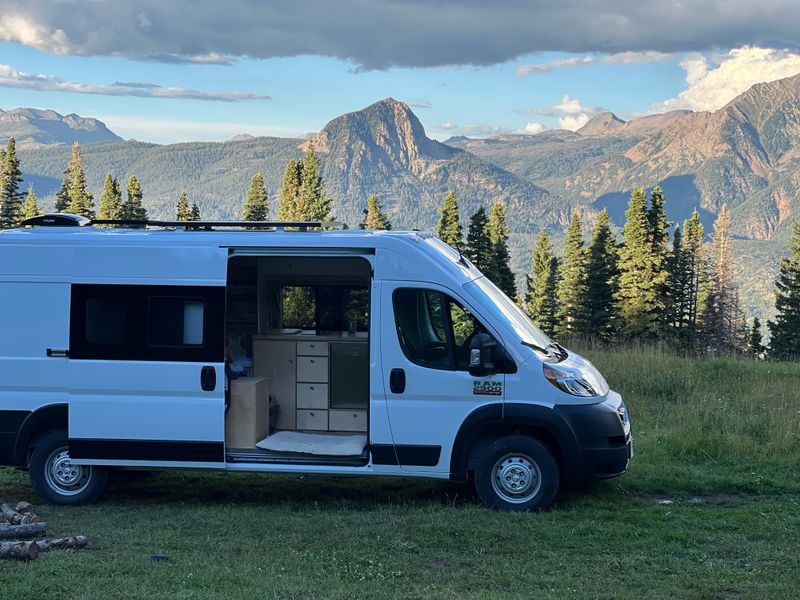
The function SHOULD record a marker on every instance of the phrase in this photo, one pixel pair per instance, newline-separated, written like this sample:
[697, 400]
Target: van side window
[433, 329]
[147, 322]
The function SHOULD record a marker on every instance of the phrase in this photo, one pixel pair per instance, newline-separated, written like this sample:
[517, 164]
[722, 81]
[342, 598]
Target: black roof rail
[69, 220]
[210, 225]
[57, 220]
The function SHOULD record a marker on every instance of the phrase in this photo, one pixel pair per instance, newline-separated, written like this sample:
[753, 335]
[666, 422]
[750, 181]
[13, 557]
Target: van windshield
[503, 308]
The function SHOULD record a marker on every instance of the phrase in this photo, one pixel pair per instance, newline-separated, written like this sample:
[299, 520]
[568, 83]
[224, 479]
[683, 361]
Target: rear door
[146, 373]
[426, 332]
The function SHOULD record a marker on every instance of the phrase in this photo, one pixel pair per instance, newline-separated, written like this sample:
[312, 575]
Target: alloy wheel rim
[63, 477]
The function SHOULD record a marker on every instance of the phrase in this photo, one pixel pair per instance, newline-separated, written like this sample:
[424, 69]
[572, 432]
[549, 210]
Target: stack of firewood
[22, 534]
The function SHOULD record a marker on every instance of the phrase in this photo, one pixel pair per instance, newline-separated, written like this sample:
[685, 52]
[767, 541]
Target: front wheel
[56, 480]
[517, 473]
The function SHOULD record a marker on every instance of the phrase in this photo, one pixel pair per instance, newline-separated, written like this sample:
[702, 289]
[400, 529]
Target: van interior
[297, 359]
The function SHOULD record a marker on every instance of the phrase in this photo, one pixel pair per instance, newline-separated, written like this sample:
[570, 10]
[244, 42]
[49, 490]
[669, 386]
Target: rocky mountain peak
[601, 124]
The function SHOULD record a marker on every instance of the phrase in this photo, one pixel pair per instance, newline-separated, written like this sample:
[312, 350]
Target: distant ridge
[34, 128]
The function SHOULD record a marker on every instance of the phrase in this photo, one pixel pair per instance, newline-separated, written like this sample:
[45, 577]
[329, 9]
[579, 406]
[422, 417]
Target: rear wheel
[57, 480]
[517, 473]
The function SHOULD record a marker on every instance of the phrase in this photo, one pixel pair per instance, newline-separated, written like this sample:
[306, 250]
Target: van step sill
[289, 458]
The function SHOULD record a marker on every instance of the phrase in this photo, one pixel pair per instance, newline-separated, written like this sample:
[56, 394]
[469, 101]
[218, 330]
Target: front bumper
[603, 435]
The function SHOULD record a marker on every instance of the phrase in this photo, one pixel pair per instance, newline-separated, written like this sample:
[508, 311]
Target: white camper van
[273, 348]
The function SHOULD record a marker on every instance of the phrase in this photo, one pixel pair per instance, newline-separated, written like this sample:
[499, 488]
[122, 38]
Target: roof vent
[57, 220]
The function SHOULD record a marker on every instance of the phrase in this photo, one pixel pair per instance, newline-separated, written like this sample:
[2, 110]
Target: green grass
[720, 439]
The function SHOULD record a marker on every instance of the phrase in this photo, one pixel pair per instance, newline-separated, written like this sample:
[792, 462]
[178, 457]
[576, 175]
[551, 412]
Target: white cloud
[448, 126]
[575, 61]
[624, 58]
[571, 106]
[169, 131]
[209, 58]
[532, 128]
[573, 122]
[11, 77]
[636, 58]
[710, 86]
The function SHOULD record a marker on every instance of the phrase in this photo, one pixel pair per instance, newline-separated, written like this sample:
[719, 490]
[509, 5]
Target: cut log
[19, 550]
[10, 515]
[23, 507]
[78, 541]
[16, 532]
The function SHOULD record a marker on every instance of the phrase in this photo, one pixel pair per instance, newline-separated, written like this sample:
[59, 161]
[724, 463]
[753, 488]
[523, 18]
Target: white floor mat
[319, 444]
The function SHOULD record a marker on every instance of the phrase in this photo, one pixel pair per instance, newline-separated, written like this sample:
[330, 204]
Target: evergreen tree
[643, 274]
[479, 246]
[314, 204]
[601, 282]
[183, 212]
[10, 194]
[194, 212]
[62, 195]
[290, 191]
[132, 208]
[81, 201]
[256, 205]
[29, 208]
[449, 227]
[542, 285]
[785, 329]
[374, 216]
[724, 328]
[573, 301]
[501, 273]
[677, 285]
[754, 341]
[110, 199]
[694, 278]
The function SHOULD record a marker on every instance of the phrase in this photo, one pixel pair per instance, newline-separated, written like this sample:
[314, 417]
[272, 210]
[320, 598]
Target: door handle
[208, 379]
[57, 353]
[397, 381]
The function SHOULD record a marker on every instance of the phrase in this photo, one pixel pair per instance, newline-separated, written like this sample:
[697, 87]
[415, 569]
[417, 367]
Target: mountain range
[747, 154]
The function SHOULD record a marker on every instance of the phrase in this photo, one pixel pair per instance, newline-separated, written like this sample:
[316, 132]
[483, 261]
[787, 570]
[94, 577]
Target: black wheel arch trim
[46, 418]
[513, 414]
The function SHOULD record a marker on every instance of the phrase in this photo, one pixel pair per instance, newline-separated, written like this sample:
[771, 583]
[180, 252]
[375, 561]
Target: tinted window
[175, 321]
[433, 329]
[146, 322]
[298, 307]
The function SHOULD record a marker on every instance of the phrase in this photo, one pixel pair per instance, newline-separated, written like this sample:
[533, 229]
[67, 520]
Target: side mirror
[481, 355]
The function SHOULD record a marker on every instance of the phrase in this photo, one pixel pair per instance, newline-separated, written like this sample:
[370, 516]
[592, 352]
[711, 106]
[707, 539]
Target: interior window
[433, 329]
[175, 321]
[298, 307]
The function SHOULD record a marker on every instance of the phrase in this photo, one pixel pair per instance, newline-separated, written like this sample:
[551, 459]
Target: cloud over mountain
[385, 33]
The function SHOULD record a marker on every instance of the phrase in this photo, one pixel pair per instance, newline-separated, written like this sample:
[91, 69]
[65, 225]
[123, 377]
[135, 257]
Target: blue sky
[166, 80]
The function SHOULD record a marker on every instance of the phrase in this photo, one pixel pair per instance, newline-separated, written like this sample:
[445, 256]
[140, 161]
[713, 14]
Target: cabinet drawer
[312, 369]
[312, 395]
[312, 348]
[312, 419]
[347, 420]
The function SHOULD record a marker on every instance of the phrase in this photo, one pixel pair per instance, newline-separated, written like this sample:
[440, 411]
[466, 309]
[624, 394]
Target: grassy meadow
[710, 508]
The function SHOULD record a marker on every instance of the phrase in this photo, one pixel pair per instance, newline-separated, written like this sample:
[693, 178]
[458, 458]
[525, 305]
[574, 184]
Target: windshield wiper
[552, 348]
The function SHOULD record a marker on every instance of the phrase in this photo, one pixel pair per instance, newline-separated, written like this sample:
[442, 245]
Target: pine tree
[290, 191]
[677, 285]
[754, 341]
[110, 199]
[542, 285]
[724, 328]
[601, 282]
[501, 273]
[81, 201]
[573, 301]
[10, 180]
[785, 329]
[62, 195]
[182, 210]
[256, 205]
[194, 212]
[132, 208]
[695, 278]
[374, 216]
[314, 204]
[449, 227]
[642, 273]
[479, 246]
[29, 208]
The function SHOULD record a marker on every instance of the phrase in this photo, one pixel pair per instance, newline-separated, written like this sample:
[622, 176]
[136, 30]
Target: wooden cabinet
[347, 420]
[312, 369]
[315, 420]
[312, 395]
[276, 360]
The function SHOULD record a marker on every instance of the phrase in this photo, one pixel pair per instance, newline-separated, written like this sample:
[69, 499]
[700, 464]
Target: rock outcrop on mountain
[33, 128]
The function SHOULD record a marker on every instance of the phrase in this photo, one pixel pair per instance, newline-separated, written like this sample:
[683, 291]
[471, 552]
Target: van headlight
[585, 381]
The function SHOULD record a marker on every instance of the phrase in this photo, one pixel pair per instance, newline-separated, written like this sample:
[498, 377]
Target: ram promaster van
[276, 348]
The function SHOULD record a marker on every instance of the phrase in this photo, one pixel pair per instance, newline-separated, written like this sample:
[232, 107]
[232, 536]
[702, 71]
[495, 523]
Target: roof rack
[69, 220]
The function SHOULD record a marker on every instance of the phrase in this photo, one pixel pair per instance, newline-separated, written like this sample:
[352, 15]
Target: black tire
[57, 481]
[517, 473]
